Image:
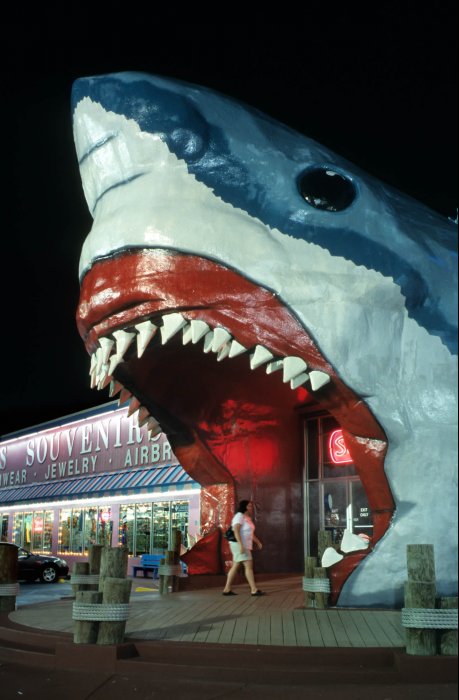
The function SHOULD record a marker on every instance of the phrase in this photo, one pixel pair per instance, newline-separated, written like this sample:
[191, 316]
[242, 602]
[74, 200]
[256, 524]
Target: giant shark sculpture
[236, 272]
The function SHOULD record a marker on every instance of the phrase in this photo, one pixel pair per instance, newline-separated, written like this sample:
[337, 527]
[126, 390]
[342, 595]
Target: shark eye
[326, 189]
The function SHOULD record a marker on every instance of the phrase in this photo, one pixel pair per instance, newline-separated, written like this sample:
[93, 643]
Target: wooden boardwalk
[206, 616]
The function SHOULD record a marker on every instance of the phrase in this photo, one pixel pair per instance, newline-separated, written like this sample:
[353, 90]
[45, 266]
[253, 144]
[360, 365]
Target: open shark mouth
[224, 368]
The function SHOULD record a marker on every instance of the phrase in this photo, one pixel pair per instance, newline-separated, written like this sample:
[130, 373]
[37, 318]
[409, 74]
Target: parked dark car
[45, 567]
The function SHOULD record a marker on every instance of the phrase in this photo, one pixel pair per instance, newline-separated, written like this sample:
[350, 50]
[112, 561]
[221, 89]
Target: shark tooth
[124, 396]
[187, 334]
[260, 356]
[93, 364]
[153, 427]
[300, 379]
[330, 557]
[236, 349]
[145, 332]
[208, 341]
[292, 366]
[172, 323]
[134, 405]
[223, 352]
[352, 543]
[123, 341]
[104, 382]
[318, 379]
[198, 330]
[98, 359]
[106, 344]
[221, 336]
[114, 362]
[115, 387]
[103, 374]
[143, 416]
[274, 366]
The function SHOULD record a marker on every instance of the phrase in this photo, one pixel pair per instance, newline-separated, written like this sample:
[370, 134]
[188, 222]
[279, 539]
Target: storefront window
[161, 525]
[3, 527]
[179, 519]
[127, 527]
[34, 530]
[146, 528]
[81, 527]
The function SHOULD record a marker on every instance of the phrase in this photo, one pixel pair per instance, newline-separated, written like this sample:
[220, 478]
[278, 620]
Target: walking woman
[244, 531]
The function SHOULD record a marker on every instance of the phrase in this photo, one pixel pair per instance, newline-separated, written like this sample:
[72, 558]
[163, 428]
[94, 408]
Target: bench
[148, 562]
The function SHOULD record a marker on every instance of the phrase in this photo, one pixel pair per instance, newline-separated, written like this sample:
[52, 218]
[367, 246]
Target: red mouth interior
[227, 423]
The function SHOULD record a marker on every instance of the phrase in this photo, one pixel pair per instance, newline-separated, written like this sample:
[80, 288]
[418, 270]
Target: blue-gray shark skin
[370, 273]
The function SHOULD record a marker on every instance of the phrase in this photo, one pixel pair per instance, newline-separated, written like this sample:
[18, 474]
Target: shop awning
[136, 481]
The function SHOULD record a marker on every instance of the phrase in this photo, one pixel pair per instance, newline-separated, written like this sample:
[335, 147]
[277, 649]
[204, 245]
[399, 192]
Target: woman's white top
[247, 529]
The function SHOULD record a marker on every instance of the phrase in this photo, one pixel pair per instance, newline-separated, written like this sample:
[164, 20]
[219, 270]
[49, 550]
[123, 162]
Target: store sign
[337, 449]
[108, 442]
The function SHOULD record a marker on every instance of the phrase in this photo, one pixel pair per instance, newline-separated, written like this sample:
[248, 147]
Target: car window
[22, 553]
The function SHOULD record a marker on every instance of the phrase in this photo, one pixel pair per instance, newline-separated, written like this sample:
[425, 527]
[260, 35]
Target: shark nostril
[324, 188]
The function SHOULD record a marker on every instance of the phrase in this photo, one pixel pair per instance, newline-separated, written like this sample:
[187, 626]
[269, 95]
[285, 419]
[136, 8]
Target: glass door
[334, 496]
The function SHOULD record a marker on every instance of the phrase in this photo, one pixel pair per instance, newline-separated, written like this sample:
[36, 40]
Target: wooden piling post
[113, 564]
[94, 558]
[169, 583]
[116, 590]
[448, 638]
[80, 568]
[321, 596]
[420, 592]
[85, 631]
[8, 576]
[310, 564]
[324, 540]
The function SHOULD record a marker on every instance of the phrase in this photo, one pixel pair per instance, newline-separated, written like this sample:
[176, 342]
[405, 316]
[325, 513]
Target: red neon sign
[337, 449]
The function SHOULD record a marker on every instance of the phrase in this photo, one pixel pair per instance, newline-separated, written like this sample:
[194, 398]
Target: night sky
[380, 91]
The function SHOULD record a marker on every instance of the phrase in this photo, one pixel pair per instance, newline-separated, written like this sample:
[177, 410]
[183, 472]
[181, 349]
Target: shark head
[238, 274]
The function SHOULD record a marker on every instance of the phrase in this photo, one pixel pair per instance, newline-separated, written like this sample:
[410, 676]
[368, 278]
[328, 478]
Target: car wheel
[48, 574]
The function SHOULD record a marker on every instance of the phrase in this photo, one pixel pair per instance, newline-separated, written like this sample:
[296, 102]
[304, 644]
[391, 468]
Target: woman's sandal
[229, 593]
[258, 593]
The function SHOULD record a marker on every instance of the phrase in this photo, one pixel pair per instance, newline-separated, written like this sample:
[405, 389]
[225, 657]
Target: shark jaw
[224, 368]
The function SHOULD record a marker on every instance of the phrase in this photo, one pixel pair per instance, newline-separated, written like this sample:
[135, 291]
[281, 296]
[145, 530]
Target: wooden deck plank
[365, 631]
[288, 628]
[239, 631]
[227, 630]
[277, 632]
[339, 629]
[312, 625]
[326, 629]
[264, 629]
[351, 628]
[392, 619]
[251, 632]
[214, 632]
[384, 634]
[301, 629]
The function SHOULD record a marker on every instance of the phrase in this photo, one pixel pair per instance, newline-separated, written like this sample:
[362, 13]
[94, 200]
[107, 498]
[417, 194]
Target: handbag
[229, 535]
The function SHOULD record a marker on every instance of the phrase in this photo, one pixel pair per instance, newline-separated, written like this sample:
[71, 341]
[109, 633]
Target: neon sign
[337, 449]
